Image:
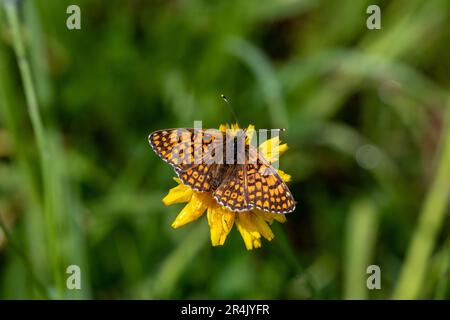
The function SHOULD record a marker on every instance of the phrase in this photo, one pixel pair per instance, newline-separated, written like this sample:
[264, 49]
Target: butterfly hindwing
[232, 192]
[200, 177]
[265, 188]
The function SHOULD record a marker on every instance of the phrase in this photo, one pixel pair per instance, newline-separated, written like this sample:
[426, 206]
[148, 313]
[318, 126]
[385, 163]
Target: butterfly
[239, 176]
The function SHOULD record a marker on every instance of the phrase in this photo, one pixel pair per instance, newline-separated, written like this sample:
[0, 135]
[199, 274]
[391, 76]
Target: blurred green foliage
[365, 112]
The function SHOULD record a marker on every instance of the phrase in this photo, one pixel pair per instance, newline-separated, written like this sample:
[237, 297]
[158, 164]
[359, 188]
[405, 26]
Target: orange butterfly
[239, 177]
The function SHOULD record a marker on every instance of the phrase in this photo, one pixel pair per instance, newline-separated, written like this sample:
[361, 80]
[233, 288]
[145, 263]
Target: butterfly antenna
[278, 129]
[230, 107]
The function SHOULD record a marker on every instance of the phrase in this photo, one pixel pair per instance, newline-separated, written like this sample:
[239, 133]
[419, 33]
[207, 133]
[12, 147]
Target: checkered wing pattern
[191, 154]
[265, 188]
[201, 177]
[238, 187]
[232, 192]
[182, 148]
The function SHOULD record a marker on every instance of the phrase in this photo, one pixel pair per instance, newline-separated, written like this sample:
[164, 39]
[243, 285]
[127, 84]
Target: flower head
[251, 224]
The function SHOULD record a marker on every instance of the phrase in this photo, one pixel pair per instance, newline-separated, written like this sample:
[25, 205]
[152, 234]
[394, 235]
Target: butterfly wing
[232, 192]
[255, 184]
[183, 148]
[265, 188]
[191, 153]
[201, 177]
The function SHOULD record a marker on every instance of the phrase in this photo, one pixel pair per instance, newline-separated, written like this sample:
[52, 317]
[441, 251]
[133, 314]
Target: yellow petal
[282, 148]
[269, 217]
[262, 226]
[192, 211]
[220, 222]
[283, 175]
[224, 127]
[250, 132]
[180, 193]
[234, 127]
[248, 231]
[272, 150]
[251, 226]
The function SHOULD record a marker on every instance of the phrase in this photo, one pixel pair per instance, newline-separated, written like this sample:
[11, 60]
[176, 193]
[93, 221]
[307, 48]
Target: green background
[367, 131]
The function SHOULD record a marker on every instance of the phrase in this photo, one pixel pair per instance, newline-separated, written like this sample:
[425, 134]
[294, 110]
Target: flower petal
[224, 127]
[272, 150]
[262, 226]
[250, 132]
[282, 148]
[180, 193]
[220, 222]
[252, 225]
[234, 127]
[192, 211]
[270, 217]
[283, 175]
[248, 231]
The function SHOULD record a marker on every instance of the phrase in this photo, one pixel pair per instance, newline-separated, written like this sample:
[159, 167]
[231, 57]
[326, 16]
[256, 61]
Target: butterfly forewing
[183, 148]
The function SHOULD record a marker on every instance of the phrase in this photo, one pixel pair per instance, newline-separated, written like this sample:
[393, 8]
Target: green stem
[430, 222]
[360, 239]
[444, 268]
[12, 16]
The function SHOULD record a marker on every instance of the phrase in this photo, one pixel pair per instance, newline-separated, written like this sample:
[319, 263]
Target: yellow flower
[251, 224]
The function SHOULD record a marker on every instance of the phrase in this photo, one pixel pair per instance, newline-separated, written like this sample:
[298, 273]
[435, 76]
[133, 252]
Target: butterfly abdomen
[236, 149]
[218, 176]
